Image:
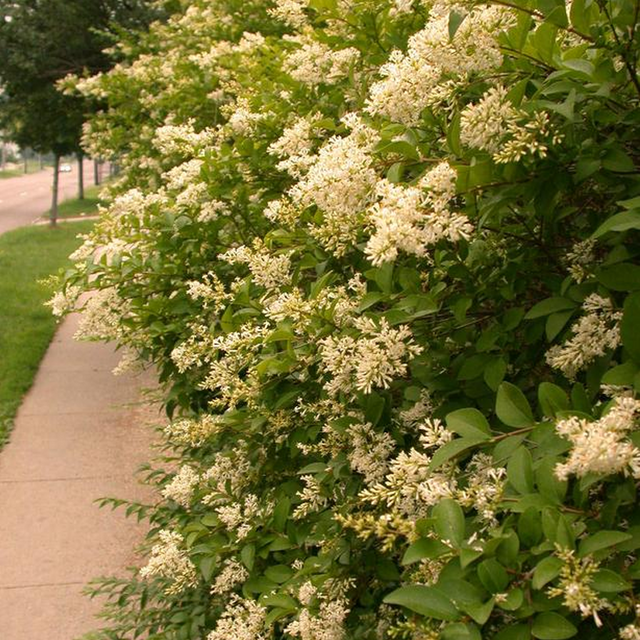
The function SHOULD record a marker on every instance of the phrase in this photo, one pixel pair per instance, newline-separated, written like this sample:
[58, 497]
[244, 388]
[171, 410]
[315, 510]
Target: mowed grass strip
[28, 255]
[74, 208]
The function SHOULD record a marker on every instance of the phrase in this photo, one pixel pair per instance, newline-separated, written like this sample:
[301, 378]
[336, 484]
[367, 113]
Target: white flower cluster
[211, 209]
[327, 623]
[290, 12]
[241, 119]
[485, 487]
[195, 350]
[575, 586]
[169, 560]
[226, 477]
[340, 183]
[372, 360]
[315, 62]
[410, 487]
[232, 574]
[240, 517]
[181, 488]
[241, 620]
[64, 301]
[181, 139]
[294, 146]
[494, 125]
[311, 498]
[192, 432]
[101, 316]
[408, 219]
[210, 290]
[579, 258]
[268, 269]
[602, 447]
[593, 335]
[234, 351]
[414, 80]
[370, 451]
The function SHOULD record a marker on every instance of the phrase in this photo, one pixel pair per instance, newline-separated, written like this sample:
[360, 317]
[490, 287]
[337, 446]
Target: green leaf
[579, 15]
[514, 632]
[623, 276]
[479, 611]
[207, 565]
[549, 306]
[247, 555]
[279, 573]
[556, 322]
[460, 631]
[552, 399]
[281, 600]
[623, 374]
[493, 576]
[619, 222]
[512, 407]
[455, 20]
[454, 448]
[529, 527]
[601, 540]
[520, 471]
[369, 299]
[494, 373]
[427, 601]
[281, 513]
[548, 483]
[423, 548]
[449, 521]
[546, 570]
[453, 135]
[552, 626]
[618, 160]
[609, 582]
[513, 601]
[630, 325]
[469, 423]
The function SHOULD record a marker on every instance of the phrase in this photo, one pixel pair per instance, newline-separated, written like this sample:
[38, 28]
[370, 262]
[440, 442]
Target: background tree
[43, 41]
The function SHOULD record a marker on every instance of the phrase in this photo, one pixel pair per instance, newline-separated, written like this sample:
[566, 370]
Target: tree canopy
[43, 41]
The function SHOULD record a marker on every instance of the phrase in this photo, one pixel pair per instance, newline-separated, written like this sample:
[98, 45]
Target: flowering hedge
[384, 256]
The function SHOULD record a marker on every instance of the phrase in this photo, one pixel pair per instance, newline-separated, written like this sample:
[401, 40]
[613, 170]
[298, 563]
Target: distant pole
[80, 175]
[53, 216]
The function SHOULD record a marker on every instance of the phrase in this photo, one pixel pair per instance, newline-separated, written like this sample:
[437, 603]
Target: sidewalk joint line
[44, 584]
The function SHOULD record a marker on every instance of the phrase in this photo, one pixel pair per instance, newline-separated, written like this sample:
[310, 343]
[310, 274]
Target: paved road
[25, 198]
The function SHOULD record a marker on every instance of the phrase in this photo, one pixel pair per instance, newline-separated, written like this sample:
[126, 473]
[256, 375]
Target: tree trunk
[96, 172]
[26, 162]
[4, 155]
[53, 215]
[41, 162]
[80, 176]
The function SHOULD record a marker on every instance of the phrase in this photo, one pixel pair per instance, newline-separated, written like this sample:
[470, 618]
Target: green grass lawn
[27, 255]
[75, 208]
[33, 165]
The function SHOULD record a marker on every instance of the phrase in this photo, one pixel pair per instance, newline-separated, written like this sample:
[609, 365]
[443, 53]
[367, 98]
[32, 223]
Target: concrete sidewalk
[80, 435]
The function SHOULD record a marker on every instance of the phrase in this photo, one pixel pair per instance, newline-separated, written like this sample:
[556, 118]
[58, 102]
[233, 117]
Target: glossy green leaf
[552, 626]
[427, 601]
[449, 521]
[512, 407]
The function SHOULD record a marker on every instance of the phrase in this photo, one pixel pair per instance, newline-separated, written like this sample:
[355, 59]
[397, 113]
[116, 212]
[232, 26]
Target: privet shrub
[384, 256]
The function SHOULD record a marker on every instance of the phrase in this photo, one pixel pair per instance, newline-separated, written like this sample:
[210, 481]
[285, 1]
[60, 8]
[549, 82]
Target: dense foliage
[384, 256]
[42, 41]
